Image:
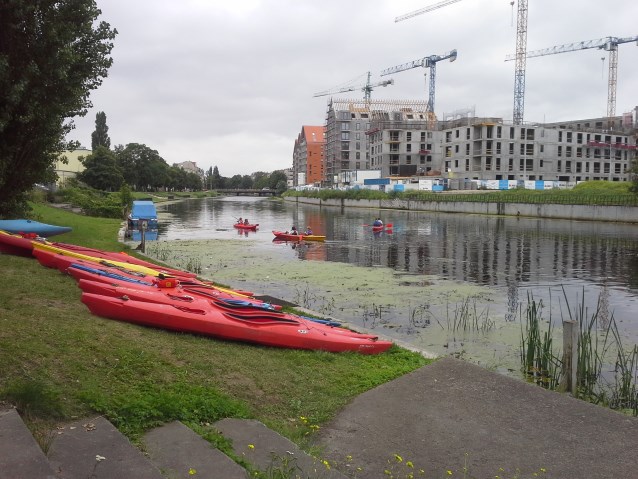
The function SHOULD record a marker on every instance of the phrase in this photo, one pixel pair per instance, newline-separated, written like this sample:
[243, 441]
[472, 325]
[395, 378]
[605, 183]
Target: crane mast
[366, 89]
[609, 44]
[426, 62]
[520, 66]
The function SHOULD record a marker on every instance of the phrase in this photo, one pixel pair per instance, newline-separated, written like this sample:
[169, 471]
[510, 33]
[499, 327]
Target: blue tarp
[144, 210]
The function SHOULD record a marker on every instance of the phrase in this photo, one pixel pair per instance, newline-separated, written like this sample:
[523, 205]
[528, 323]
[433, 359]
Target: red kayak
[243, 226]
[180, 294]
[381, 227]
[15, 244]
[266, 328]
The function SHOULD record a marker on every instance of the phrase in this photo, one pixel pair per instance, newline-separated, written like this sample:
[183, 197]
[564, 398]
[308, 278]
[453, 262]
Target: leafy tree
[101, 171]
[261, 180]
[100, 137]
[218, 180]
[143, 168]
[52, 54]
[278, 181]
[246, 181]
[126, 199]
[208, 179]
[234, 182]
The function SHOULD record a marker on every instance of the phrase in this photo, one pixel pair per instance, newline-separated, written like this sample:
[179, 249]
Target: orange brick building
[308, 156]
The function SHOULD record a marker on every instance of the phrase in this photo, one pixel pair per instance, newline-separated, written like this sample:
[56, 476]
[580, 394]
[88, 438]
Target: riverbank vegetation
[606, 371]
[601, 193]
[59, 361]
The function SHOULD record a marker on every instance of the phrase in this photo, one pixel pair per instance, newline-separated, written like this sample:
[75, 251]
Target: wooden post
[570, 357]
[144, 225]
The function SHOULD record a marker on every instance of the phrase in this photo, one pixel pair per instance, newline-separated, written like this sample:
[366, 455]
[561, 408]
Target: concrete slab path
[452, 415]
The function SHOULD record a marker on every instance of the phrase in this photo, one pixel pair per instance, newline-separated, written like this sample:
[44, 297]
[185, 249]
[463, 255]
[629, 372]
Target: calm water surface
[551, 260]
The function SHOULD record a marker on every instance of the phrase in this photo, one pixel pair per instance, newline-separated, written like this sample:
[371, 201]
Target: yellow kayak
[129, 266]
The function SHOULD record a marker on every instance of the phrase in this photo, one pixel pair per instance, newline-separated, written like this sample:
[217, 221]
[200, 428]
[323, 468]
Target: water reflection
[517, 256]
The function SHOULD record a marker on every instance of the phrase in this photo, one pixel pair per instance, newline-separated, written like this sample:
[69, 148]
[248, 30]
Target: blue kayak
[30, 226]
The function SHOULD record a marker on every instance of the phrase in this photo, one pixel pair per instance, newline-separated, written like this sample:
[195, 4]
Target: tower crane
[521, 47]
[609, 44]
[426, 62]
[429, 8]
[520, 66]
[366, 89]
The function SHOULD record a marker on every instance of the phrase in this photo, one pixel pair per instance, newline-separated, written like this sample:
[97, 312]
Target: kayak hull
[264, 329]
[281, 235]
[246, 227]
[24, 226]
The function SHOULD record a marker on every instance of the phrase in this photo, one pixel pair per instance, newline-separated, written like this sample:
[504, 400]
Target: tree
[100, 137]
[142, 167]
[52, 54]
[218, 180]
[101, 171]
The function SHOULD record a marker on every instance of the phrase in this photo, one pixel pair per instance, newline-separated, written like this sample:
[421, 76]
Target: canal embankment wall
[619, 214]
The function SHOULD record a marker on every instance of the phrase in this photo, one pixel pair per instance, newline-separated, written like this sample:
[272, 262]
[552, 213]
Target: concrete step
[94, 448]
[181, 453]
[267, 450]
[20, 454]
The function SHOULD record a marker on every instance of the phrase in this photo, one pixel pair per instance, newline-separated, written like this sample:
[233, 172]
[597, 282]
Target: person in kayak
[377, 222]
[246, 221]
[293, 230]
[240, 221]
[308, 231]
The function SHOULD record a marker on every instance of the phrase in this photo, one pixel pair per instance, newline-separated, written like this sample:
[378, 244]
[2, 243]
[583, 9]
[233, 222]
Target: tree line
[143, 169]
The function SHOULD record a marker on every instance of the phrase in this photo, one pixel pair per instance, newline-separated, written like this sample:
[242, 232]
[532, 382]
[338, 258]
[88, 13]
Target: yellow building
[72, 167]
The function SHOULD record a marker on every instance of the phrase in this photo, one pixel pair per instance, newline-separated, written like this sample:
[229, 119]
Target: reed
[599, 346]
[466, 317]
[539, 362]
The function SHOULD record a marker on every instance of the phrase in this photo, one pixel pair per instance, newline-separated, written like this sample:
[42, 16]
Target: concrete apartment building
[308, 164]
[400, 139]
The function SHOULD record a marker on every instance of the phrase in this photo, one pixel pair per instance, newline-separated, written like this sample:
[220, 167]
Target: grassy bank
[59, 362]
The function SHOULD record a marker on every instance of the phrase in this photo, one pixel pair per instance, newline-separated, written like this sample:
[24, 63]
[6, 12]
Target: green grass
[58, 361]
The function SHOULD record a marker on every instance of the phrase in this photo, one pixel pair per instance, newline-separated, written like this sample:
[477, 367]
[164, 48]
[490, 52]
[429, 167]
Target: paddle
[389, 225]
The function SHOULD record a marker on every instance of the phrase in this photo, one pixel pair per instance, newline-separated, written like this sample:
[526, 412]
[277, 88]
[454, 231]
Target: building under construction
[404, 139]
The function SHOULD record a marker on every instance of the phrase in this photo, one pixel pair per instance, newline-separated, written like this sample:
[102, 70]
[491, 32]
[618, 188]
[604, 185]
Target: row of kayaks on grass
[121, 287]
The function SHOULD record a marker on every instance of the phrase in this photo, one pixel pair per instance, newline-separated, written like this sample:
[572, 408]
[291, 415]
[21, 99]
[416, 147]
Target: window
[345, 125]
[408, 136]
[408, 160]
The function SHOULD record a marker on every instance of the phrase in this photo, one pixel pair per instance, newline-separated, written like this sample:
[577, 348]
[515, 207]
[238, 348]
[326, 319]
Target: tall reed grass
[600, 349]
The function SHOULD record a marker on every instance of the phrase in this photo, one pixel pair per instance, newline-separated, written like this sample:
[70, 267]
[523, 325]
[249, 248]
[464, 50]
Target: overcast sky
[230, 83]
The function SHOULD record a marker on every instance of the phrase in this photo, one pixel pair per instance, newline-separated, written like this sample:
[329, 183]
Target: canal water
[440, 283]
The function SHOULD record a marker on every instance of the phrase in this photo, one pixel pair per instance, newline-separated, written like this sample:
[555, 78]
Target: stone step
[20, 454]
[179, 453]
[267, 450]
[94, 448]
